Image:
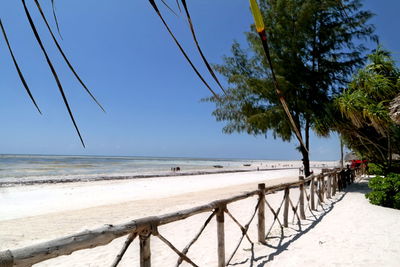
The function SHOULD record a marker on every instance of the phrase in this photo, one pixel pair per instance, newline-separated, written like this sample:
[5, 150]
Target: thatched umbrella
[395, 109]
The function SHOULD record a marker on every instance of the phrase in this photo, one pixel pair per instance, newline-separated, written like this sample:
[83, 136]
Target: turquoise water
[44, 167]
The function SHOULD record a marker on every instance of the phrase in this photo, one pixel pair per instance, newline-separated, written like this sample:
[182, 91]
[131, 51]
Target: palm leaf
[170, 9]
[198, 46]
[179, 6]
[64, 56]
[155, 7]
[53, 71]
[55, 17]
[21, 76]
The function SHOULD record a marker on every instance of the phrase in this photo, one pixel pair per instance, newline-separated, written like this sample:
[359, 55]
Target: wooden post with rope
[321, 190]
[286, 208]
[261, 214]
[334, 184]
[329, 187]
[221, 235]
[145, 253]
[301, 200]
[312, 193]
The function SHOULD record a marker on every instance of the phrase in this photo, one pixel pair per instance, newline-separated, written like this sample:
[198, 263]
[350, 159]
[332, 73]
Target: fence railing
[313, 191]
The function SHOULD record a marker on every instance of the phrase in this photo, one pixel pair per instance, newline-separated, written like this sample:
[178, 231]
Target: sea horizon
[31, 169]
[160, 156]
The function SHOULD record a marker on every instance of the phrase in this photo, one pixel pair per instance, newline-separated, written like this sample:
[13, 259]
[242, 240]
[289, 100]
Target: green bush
[385, 191]
[375, 169]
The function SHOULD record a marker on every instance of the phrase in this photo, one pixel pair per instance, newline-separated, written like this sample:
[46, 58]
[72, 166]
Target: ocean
[34, 169]
[55, 168]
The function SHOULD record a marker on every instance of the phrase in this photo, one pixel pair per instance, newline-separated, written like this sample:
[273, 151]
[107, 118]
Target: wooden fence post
[221, 235]
[321, 189]
[261, 214]
[312, 193]
[145, 253]
[329, 187]
[6, 259]
[334, 184]
[301, 201]
[286, 208]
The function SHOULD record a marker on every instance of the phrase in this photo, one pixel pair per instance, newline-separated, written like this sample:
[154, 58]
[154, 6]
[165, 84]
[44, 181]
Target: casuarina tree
[314, 48]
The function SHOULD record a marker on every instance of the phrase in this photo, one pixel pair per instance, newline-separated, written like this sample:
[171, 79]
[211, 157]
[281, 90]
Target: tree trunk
[389, 152]
[306, 162]
[304, 152]
[341, 152]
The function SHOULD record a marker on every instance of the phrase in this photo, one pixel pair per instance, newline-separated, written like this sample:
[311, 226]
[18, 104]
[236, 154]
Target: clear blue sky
[151, 95]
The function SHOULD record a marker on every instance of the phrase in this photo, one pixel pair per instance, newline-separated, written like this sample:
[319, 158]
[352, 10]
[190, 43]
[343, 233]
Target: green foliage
[366, 100]
[385, 191]
[314, 49]
[375, 169]
[364, 122]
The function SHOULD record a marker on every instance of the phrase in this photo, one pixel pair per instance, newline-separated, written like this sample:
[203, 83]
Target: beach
[42, 212]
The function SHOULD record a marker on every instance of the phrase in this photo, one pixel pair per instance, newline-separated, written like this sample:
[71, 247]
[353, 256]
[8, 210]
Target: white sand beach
[352, 233]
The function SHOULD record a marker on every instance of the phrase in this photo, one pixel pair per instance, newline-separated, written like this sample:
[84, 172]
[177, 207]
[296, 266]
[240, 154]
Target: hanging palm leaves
[157, 10]
[53, 6]
[48, 60]
[64, 56]
[21, 76]
[260, 27]
[55, 75]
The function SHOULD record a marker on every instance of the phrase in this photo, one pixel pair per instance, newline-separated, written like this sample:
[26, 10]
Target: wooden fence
[314, 190]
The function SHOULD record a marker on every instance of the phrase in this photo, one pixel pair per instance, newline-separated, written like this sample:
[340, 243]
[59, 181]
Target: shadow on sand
[357, 187]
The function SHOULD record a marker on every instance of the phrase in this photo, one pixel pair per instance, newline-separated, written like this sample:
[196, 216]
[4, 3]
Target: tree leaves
[366, 126]
[311, 50]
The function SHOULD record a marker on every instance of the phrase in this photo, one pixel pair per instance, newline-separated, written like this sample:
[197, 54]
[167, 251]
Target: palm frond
[64, 56]
[155, 7]
[170, 8]
[21, 76]
[198, 46]
[179, 6]
[53, 71]
[55, 17]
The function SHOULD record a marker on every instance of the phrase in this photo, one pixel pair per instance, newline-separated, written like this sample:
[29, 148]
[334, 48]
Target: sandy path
[354, 233]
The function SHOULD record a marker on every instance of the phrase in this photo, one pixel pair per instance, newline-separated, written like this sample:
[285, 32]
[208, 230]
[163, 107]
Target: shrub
[385, 191]
[375, 169]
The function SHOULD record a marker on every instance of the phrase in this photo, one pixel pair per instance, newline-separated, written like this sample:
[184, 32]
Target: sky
[130, 63]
